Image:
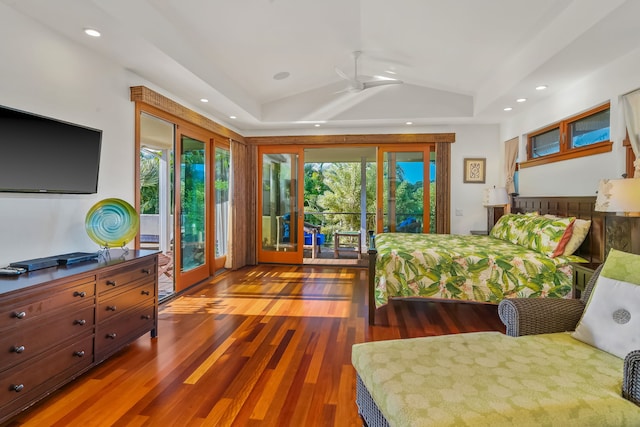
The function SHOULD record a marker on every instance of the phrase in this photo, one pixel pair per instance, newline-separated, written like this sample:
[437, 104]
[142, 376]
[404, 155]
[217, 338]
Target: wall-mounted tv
[43, 155]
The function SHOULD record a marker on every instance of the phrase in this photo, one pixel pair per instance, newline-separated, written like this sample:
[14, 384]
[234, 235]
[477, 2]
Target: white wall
[466, 198]
[45, 74]
[577, 177]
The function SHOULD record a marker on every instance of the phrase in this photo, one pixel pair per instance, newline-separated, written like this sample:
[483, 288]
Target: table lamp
[622, 197]
[495, 199]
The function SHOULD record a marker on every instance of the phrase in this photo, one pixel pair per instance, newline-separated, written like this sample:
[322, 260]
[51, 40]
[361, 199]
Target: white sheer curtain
[510, 157]
[631, 102]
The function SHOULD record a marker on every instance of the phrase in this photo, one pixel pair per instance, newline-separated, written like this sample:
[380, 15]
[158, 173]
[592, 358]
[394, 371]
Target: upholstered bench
[490, 379]
[533, 376]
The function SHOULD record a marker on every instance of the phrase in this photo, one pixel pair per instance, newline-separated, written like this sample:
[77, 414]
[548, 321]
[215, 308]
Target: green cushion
[622, 266]
[490, 379]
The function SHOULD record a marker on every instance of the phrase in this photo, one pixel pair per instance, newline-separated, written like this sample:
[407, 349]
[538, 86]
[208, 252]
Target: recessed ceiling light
[204, 100]
[317, 125]
[233, 117]
[507, 108]
[408, 123]
[541, 87]
[281, 75]
[92, 32]
[521, 100]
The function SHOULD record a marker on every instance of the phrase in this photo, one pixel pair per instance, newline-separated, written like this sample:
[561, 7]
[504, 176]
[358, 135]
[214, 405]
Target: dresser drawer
[121, 330]
[22, 311]
[117, 279]
[114, 305]
[27, 381]
[25, 342]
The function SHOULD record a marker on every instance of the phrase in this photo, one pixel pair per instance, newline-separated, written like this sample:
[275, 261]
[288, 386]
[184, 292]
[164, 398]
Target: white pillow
[580, 230]
[611, 320]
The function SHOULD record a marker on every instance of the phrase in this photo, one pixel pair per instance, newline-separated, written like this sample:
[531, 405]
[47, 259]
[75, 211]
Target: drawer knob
[16, 387]
[146, 271]
[80, 294]
[80, 322]
[145, 293]
[111, 282]
[78, 353]
[18, 349]
[145, 317]
[111, 308]
[20, 315]
[112, 336]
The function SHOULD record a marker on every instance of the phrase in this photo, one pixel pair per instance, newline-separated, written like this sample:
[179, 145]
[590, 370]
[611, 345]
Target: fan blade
[343, 75]
[376, 83]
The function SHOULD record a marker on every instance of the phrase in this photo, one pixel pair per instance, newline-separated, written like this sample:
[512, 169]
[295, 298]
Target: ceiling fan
[356, 85]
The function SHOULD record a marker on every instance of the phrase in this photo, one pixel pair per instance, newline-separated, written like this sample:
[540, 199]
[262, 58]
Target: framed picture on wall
[475, 170]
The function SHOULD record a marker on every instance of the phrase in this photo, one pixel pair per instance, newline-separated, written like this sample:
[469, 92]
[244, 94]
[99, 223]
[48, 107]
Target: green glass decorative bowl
[112, 223]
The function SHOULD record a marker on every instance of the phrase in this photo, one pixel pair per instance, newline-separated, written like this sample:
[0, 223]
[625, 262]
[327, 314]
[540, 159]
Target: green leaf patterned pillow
[509, 227]
[544, 235]
[537, 233]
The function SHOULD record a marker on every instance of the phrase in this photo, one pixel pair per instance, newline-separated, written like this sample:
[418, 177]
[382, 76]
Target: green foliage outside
[341, 191]
[192, 189]
[335, 187]
[150, 179]
[149, 182]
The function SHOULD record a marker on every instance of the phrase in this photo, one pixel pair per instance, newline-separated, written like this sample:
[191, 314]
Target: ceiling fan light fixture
[92, 32]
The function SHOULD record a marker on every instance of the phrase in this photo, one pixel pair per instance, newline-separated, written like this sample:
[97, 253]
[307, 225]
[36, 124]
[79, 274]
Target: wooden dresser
[58, 322]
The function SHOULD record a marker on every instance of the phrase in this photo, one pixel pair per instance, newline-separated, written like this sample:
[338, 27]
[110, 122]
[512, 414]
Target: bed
[487, 269]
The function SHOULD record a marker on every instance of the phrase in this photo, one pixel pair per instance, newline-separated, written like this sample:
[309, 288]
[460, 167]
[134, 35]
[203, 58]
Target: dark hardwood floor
[263, 346]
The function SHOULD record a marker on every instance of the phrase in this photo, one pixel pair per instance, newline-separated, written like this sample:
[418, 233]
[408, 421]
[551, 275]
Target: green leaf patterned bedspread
[493, 380]
[471, 268]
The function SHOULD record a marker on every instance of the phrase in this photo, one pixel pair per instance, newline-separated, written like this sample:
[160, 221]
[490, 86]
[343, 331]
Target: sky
[413, 171]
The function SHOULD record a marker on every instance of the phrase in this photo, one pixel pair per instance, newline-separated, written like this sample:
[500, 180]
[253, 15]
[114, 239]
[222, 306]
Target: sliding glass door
[191, 228]
[279, 208]
[405, 188]
[221, 166]
[156, 157]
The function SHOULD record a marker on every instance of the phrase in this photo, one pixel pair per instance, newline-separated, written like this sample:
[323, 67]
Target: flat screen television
[43, 155]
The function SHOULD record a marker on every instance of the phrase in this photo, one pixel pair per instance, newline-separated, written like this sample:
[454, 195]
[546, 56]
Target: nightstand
[479, 232]
[581, 275]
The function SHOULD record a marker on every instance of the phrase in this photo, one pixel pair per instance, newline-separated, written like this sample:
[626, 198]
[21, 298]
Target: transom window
[581, 135]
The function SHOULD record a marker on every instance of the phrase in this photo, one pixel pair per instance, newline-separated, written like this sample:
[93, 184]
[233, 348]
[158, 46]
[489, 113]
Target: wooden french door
[403, 188]
[192, 187]
[280, 207]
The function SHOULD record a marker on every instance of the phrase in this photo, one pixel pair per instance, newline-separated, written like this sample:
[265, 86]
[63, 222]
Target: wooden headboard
[593, 247]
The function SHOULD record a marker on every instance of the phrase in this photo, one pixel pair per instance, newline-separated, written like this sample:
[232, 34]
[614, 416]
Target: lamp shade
[495, 196]
[621, 196]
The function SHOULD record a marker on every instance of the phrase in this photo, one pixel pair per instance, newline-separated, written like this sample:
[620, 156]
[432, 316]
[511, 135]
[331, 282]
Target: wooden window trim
[589, 150]
[566, 152]
[630, 157]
